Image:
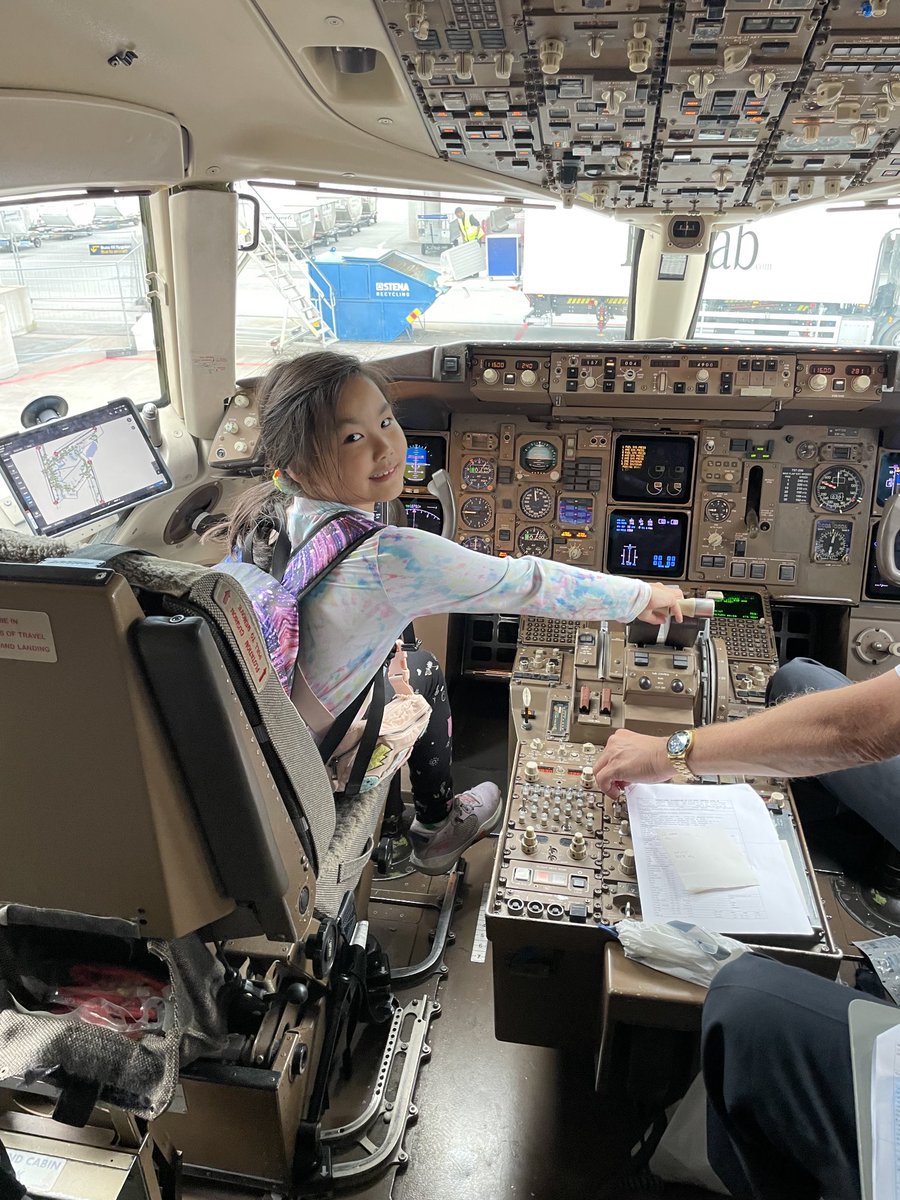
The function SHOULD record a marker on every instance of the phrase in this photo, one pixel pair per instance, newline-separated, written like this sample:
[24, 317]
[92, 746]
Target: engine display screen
[876, 587]
[646, 543]
[653, 470]
[888, 477]
[424, 514]
[739, 606]
[575, 511]
[424, 456]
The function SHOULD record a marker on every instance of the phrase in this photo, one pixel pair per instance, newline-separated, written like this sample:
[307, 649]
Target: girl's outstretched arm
[422, 574]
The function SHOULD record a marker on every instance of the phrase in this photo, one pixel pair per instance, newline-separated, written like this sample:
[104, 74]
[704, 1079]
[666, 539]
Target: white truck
[576, 266]
[823, 274]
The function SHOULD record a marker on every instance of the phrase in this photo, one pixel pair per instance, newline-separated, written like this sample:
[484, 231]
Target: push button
[787, 572]
[738, 570]
[757, 570]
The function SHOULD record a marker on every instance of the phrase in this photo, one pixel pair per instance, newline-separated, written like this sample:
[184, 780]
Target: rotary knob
[251, 422]
[703, 375]
[574, 551]
[490, 375]
[241, 402]
[714, 540]
[231, 426]
[528, 377]
[818, 383]
[531, 771]
[590, 382]
[240, 447]
[861, 383]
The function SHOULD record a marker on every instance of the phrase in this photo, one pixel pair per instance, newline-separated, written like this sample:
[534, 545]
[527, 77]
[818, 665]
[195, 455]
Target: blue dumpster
[371, 296]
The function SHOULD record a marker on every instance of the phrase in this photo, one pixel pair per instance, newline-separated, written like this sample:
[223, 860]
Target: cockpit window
[378, 272]
[814, 275]
[75, 316]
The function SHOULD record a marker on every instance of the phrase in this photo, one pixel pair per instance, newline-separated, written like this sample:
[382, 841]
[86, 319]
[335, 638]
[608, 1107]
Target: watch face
[678, 742]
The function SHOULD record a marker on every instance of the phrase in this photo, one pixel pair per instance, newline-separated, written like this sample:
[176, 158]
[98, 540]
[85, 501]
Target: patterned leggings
[432, 755]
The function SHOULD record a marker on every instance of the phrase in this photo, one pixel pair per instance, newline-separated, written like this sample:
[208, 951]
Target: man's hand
[632, 758]
[664, 602]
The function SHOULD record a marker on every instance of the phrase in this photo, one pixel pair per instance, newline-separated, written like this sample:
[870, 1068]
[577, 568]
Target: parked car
[22, 241]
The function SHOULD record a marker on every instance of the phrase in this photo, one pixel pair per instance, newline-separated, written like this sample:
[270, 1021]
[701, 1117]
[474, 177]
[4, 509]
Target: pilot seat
[166, 811]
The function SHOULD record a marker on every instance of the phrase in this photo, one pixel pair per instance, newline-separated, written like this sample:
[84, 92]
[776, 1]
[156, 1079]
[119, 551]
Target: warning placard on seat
[241, 618]
[26, 635]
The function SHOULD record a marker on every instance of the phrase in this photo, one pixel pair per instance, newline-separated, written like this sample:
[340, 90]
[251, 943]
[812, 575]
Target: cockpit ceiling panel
[684, 104]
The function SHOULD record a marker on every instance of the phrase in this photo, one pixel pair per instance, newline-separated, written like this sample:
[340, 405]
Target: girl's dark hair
[297, 424]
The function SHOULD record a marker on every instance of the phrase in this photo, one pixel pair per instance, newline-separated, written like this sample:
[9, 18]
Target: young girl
[330, 436]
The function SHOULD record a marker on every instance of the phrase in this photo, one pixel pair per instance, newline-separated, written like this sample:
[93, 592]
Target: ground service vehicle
[717, 188]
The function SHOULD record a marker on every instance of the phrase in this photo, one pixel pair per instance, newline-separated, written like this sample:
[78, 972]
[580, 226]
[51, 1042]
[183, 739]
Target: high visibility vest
[470, 230]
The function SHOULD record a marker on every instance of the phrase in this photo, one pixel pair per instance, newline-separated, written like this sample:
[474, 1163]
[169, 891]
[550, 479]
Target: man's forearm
[808, 735]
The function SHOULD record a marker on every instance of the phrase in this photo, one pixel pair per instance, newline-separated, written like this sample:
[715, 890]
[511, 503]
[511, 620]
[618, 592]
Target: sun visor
[88, 141]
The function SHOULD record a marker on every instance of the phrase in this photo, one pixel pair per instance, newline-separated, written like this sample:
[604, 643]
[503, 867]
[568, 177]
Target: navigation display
[888, 477]
[646, 543]
[424, 514]
[876, 587]
[739, 606]
[72, 471]
[653, 470]
[424, 456]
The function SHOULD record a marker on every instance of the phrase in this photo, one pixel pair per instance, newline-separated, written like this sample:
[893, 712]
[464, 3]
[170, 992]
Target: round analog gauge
[838, 489]
[477, 512]
[717, 510]
[536, 503]
[483, 545]
[478, 474]
[832, 541]
[538, 457]
[534, 540]
[807, 449]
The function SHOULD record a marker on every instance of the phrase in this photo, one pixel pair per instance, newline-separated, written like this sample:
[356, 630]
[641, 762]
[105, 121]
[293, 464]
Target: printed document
[710, 854]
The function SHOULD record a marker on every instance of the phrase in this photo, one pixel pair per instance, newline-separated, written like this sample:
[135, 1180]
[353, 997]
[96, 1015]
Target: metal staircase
[309, 308]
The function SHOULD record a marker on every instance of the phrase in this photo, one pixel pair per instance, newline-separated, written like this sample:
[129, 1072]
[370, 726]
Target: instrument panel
[570, 460]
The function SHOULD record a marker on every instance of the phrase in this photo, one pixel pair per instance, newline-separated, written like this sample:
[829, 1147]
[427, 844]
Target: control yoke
[442, 490]
[887, 536]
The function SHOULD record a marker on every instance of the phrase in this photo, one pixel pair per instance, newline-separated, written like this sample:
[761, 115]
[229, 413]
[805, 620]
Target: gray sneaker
[472, 816]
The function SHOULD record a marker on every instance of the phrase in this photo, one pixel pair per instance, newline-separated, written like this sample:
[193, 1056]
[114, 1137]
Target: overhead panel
[697, 104]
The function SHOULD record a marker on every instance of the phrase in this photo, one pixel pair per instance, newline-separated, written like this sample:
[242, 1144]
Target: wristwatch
[678, 747]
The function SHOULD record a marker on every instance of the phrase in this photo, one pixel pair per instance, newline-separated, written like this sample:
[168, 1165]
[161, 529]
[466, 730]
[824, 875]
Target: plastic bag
[130, 1002]
[681, 1155]
[678, 948]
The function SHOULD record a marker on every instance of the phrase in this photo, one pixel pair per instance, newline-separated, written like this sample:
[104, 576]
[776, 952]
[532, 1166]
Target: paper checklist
[710, 854]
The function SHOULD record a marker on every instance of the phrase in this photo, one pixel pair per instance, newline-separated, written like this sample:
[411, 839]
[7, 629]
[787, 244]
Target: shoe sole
[440, 866]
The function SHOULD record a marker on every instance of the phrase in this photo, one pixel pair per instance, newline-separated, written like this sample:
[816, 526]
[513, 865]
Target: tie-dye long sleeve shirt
[349, 623]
